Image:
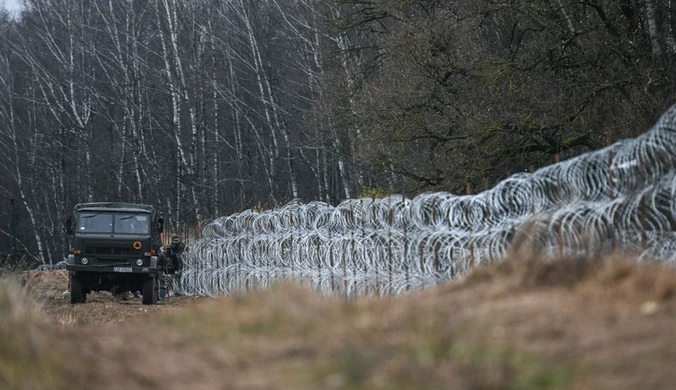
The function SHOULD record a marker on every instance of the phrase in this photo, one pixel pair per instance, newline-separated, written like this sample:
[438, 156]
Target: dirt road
[51, 288]
[523, 324]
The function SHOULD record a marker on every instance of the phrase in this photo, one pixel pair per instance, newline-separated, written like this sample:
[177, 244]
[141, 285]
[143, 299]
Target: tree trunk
[653, 30]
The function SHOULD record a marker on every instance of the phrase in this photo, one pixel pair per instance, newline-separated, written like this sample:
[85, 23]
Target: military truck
[115, 247]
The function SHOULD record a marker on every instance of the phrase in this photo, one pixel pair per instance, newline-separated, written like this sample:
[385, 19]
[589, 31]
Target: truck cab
[115, 247]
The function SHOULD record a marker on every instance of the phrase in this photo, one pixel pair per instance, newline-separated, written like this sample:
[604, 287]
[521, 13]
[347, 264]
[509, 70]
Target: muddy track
[51, 288]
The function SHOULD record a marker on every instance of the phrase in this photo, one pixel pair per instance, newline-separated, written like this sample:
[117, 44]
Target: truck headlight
[84, 261]
[153, 261]
[71, 259]
[139, 262]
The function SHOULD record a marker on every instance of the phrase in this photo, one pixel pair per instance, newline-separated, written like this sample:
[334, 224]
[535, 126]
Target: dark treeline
[207, 107]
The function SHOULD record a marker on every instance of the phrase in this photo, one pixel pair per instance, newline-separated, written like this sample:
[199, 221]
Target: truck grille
[111, 251]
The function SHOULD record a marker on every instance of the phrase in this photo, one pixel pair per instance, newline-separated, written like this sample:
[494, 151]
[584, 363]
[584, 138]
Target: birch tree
[12, 140]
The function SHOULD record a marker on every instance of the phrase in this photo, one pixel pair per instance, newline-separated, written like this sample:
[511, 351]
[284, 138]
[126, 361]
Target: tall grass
[28, 359]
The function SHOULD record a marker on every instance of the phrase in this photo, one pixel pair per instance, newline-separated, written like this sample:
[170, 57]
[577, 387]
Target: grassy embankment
[520, 324]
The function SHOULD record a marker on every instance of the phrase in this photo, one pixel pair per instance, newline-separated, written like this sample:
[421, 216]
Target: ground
[51, 289]
[523, 324]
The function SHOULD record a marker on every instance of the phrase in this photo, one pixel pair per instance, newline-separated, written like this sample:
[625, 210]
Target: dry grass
[525, 323]
[27, 357]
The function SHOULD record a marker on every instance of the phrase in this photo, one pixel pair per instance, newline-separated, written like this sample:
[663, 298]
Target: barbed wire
[619, 197]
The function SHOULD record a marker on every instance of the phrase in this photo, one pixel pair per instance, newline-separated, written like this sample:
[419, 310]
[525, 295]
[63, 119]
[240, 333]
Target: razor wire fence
[617, 198]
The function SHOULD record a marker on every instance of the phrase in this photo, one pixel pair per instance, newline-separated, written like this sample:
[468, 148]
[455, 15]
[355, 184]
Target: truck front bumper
[127, 269]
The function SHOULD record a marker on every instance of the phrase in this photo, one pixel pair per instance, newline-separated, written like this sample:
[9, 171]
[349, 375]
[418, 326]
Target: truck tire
[77, 294]
[149, 292]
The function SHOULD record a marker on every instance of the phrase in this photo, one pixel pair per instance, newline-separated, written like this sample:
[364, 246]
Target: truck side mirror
[160, 225]
[69, 226]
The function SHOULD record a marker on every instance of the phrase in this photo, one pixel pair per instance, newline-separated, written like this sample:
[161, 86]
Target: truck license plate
[121, 269]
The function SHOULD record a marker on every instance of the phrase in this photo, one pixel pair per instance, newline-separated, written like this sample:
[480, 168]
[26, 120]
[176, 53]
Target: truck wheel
[76, 292]
[149, 293]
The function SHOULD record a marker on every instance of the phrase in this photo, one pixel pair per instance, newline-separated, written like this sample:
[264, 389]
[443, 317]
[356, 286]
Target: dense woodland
[207, 107]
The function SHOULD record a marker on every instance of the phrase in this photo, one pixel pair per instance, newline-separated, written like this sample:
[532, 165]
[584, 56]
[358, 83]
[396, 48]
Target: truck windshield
[135, 223]
[95, 223]
[127, 223]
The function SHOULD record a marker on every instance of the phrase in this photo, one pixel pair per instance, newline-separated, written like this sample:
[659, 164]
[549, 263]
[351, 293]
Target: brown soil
[525, 323]
[51, 289]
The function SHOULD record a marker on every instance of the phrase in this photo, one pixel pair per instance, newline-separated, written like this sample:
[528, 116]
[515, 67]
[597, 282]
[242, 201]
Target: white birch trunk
[341, 40]
[569, 20]
[651, 16]
[237, 133]
[670, 39]
[258, 68]
[17, 171]
[172, 22]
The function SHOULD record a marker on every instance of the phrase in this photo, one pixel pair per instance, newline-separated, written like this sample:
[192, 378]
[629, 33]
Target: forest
[204, 108]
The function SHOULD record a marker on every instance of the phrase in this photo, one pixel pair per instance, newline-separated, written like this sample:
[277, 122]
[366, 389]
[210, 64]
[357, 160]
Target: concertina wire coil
[620, 197]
